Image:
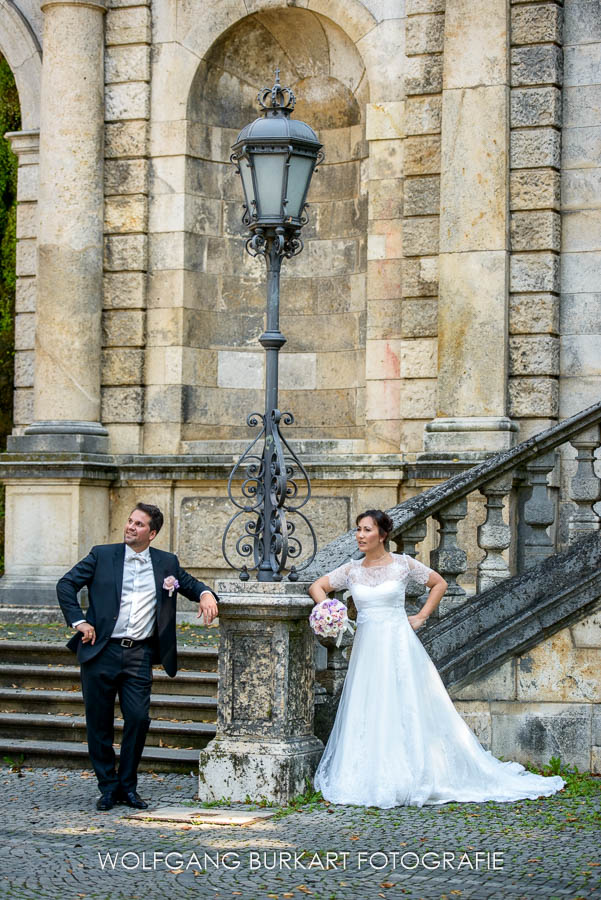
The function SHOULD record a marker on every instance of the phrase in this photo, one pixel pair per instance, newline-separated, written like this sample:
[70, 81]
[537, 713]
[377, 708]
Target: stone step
[66, 678]
[11, 614]
[74, 754]
[197, 659]
[36, 727]
[165, 706]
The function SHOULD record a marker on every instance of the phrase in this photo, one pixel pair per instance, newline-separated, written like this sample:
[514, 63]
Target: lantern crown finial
[277, 100]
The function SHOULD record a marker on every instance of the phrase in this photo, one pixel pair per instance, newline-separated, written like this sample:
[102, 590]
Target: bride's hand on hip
[417, 621]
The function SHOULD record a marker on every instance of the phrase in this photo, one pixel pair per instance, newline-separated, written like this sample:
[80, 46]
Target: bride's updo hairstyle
[382, 520]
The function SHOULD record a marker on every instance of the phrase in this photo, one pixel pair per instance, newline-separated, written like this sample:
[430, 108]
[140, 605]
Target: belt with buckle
[128, 642]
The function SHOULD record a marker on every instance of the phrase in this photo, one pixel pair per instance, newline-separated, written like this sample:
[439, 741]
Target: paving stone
[196, 815]
[56, 844]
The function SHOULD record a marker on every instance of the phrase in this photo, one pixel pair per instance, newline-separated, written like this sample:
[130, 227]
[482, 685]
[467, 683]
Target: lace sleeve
[418, 571]
[339, 577]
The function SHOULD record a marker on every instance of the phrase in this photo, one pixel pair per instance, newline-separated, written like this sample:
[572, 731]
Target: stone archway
[20, 48]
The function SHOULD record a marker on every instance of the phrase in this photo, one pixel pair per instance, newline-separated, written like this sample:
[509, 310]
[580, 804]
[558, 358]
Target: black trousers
[125, 672]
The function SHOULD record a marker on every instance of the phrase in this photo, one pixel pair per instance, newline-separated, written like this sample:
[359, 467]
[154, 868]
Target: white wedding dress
[397, 739]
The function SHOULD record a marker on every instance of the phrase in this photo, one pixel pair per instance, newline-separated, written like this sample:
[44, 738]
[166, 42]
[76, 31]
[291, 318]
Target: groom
[129, 624]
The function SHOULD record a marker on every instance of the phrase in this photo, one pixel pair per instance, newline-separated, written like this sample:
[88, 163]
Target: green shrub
[10, 120]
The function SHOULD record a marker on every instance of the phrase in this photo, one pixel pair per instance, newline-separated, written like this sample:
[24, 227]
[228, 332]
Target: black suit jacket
[102, 573]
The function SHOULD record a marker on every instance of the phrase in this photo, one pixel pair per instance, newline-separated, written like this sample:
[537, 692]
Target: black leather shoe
[106, 802]
[131, 798]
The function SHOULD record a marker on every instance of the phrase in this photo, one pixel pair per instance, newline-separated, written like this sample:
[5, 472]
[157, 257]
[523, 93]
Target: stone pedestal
[265, 746]
[56, 510]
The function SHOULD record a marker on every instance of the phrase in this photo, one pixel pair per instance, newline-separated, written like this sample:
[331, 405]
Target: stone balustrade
[521, 526]
[540, 497]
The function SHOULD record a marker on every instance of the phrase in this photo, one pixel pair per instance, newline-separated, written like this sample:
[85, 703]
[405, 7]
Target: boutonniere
[170, 584]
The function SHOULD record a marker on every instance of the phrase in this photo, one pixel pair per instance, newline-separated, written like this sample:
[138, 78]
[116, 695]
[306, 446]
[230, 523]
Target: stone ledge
[210, 466]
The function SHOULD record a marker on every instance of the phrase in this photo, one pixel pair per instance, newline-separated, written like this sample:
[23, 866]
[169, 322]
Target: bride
[397, 739]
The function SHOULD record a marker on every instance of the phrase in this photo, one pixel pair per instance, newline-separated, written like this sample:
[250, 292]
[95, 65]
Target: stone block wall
[422, 163]
[545, 702]
[580, 311]
[367, 334]
[534, 199]
[192, 493]
[127, 114]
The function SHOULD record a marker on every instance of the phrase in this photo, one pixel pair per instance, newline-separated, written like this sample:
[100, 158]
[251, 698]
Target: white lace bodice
[402, 568]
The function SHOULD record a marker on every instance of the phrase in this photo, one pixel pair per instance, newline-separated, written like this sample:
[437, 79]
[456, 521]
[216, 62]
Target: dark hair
[155, 514]
[382, 520]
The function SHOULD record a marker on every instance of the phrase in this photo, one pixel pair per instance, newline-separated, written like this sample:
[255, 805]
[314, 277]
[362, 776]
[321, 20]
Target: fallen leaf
[387, 884]
[354, 837]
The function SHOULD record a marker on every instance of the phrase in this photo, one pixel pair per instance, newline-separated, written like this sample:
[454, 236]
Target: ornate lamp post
[275, 157]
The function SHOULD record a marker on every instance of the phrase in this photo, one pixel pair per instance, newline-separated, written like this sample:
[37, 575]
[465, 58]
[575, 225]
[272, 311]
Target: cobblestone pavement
[54, 844]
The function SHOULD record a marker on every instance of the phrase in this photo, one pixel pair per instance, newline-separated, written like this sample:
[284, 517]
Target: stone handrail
[447, 503]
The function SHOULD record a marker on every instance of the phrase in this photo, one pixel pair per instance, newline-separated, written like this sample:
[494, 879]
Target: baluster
[585, 488]
[539, 511]
[449, 559]
[405, 543]
[494, 535]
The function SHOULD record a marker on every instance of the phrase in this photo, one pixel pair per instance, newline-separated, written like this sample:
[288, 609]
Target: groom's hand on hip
[207, 607]
[88, 631]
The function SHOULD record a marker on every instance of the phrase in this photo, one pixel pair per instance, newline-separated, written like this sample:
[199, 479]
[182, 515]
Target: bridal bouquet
[330, 619]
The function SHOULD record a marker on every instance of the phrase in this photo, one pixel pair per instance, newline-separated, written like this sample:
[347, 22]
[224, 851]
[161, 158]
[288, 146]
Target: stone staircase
[42, 712]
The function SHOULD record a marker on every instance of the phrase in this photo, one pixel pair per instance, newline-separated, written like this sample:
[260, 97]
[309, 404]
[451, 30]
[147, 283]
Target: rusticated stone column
[473, 261]
[265, 746]
[70, 231]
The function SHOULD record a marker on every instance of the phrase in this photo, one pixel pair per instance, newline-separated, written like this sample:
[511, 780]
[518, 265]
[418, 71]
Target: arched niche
[323, 290]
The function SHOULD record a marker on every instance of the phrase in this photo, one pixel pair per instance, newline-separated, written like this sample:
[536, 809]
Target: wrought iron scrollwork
[274, 487]
[256, 245]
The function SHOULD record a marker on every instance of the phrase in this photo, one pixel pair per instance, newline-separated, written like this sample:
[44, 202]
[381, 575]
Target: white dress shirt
[137, 612]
